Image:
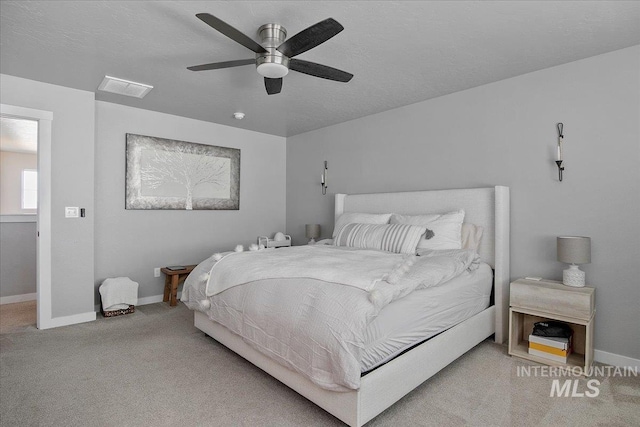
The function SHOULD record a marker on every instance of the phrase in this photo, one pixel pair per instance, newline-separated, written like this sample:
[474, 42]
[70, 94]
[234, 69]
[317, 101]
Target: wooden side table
[171, 282]
[534, 301]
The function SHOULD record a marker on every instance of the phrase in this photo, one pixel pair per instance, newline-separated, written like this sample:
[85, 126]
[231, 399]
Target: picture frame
[178, 175]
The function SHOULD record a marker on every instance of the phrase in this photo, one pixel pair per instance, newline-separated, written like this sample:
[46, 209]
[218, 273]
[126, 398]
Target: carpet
[16, 316]
[153, 367]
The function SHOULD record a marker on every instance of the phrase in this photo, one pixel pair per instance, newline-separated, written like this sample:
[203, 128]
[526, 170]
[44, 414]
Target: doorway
[18, 221]
[36, 199]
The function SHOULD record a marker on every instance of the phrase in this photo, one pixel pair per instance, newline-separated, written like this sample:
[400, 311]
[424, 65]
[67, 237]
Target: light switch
[71, 212]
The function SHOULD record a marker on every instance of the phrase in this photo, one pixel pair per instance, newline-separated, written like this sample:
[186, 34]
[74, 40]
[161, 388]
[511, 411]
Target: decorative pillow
[361, 218]
[398, 238]
[447, 229]
[471, 235]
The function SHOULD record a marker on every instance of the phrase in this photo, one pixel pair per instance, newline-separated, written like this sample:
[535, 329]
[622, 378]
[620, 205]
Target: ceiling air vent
[124, 87]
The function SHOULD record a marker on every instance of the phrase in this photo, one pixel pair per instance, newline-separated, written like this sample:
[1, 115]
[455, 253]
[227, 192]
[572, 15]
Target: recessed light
[124, 87]
[238, 115]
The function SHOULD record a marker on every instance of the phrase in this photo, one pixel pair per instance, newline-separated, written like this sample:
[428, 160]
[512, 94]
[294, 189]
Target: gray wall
[17, 258]
[132, 242]
[505, 133]
[71, 185]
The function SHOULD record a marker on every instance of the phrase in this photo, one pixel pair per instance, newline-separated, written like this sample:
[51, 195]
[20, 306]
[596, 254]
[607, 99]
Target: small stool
[171, 282]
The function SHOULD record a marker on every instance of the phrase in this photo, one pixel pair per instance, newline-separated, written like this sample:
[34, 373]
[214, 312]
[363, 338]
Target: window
[29, 189]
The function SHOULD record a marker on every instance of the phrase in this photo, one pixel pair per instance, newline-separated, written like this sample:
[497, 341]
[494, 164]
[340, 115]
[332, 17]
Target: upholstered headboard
[488, 207]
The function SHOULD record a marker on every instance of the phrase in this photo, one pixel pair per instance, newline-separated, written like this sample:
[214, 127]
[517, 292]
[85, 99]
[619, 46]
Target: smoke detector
[238, 115]
[124, 87]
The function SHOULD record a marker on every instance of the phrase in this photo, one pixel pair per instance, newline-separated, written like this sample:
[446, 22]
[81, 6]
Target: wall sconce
[323, 179]
[559, 161]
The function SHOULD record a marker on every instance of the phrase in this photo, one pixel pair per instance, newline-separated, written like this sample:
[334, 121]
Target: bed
[387, 382]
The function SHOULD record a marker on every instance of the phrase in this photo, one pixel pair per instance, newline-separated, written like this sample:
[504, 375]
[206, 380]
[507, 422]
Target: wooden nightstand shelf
[171, 282]
[533, 301]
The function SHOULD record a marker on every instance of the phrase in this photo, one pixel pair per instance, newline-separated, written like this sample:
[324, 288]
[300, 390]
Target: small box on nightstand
[533, 301]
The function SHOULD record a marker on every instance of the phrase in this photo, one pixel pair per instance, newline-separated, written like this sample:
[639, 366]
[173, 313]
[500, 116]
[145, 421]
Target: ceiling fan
[274, 58]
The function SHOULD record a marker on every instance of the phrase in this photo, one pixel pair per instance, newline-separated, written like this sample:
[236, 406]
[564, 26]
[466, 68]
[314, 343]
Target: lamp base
[573, 276]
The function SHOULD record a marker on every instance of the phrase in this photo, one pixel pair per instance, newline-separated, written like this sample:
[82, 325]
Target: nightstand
[172, 280]
[534, 301]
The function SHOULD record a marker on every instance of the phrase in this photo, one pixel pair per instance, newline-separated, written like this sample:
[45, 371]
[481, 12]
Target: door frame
[43, 267]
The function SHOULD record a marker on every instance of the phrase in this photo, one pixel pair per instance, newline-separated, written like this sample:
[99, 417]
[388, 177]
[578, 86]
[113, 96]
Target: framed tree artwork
[169, 174]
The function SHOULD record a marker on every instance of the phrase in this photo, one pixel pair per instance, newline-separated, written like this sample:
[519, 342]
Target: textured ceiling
[400, 52]
[18, 135]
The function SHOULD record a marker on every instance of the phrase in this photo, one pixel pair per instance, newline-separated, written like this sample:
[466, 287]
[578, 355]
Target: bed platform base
[380, 388]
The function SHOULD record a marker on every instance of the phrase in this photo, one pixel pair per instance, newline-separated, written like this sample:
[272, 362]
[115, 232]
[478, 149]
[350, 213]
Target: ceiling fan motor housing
[272, 64]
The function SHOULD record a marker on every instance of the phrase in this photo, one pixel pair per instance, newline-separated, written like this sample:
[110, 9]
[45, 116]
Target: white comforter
[313, 320]
[364, 269]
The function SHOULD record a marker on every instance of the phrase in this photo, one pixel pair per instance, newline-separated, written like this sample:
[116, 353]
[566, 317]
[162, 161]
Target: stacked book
[542, 343]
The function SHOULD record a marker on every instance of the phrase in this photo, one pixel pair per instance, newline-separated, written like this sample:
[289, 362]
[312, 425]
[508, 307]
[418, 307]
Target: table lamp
[312, 231]
[574, 250]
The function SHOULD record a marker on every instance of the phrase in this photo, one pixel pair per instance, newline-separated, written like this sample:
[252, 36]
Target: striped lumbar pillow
[398, 238]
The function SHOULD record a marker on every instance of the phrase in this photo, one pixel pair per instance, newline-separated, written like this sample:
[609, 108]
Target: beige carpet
[17, 316]
[154, 368]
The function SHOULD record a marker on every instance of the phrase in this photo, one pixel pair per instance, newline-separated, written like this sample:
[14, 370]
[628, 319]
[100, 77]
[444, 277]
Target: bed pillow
[361, 218]
[447, 229]
[398, 238]
[471, 235]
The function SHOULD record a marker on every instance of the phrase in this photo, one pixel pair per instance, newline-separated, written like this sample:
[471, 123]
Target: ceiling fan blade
[226, 64]
[232, 33]
[310, 37]
[273, 85]
[319, 70]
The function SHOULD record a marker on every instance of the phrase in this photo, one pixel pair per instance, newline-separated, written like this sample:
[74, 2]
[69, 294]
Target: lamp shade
[574, 249]
[312, 231]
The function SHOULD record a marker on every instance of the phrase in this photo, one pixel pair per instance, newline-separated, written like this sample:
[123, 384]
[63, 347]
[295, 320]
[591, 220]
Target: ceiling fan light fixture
[274, 53]
[272, 70]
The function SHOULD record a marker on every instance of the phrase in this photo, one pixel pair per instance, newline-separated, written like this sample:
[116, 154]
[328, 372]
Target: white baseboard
[615, 359]
[146, 300]
[18, 298]
[68, 320]
[154, 299]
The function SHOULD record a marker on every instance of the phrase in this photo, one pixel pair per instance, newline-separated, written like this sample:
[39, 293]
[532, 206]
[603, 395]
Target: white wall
[11, 167]
[505, 133]
[132, 242]
[71, 185]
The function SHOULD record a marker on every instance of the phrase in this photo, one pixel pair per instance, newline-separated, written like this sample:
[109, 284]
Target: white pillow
[471, 235]
[447, 229]
[398, 238]
[361, 218]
